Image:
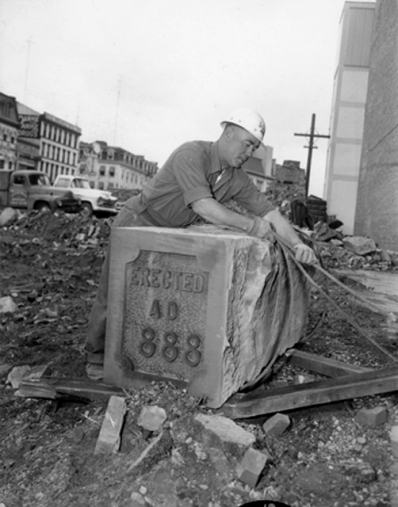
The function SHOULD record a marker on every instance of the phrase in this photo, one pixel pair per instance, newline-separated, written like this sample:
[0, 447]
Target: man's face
[241, 145]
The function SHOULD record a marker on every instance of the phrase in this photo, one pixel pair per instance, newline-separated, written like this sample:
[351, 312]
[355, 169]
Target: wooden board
[84, 388]
[324, 365]
[260, 402]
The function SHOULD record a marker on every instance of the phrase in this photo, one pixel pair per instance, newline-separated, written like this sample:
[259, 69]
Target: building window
[102, 170]
[111, 171]
[10, 165]
[101, 185]
[4, 137]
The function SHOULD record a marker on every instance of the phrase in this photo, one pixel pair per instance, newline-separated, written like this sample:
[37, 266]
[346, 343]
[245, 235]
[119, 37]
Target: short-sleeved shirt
[191, 174]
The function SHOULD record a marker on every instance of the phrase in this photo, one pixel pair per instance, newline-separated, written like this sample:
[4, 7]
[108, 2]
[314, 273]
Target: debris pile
[351, 252]
[70, 229]
[159, 446]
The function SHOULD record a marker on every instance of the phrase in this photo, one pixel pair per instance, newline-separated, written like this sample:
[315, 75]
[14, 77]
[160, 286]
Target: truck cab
[94, 201]
[32, 190]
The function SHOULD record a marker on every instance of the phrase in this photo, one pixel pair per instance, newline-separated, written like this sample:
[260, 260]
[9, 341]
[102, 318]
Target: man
[194, 183]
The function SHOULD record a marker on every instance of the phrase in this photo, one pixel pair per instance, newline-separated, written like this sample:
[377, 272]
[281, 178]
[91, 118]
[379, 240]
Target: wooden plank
[324, 365]
[83, 388]
[260, 402]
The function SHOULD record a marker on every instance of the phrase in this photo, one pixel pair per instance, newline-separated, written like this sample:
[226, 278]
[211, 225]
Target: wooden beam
[256, 403]
[52, 387]
[324, 365]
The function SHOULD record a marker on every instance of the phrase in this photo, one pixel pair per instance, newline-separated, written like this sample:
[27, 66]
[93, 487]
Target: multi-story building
[348, 111]
[377, 201]
[58, 141]
[111, 167]
[8, 132]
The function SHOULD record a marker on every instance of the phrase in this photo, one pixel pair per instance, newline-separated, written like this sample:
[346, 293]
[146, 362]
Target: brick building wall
[377, 203]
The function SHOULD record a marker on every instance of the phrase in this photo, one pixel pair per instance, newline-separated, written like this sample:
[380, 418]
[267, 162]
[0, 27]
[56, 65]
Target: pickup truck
[94, 201]
[32, 190]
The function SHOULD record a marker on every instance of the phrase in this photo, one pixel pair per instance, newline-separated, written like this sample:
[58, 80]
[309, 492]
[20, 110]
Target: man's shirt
[192, 173]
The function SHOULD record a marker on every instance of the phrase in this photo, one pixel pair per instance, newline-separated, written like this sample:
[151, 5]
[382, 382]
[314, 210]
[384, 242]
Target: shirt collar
[215, 161]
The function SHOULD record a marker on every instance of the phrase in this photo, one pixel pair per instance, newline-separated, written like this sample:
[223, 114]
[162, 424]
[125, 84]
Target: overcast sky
[148, 75]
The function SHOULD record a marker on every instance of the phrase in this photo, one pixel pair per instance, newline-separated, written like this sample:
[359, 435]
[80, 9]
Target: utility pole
[310, 147]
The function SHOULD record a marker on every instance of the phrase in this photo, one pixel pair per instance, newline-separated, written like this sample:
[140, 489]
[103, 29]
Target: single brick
[371, 416]
[276, 425]
[251, 466]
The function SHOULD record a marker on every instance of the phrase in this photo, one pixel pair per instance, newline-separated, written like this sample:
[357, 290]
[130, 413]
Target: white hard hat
[249, 120]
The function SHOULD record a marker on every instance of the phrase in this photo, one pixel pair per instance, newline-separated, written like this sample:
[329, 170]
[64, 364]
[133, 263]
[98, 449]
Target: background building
[8, 132]
[57, 140]
[112, 167]
[377, 203]
[348, 112]
[260, 167]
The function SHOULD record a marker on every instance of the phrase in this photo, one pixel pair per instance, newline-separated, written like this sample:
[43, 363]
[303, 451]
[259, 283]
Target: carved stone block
[205, 308]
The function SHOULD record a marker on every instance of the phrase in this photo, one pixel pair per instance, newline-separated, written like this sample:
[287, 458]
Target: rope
[361, 331]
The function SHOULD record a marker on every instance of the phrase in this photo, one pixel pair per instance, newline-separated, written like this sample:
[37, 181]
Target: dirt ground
[50, 267]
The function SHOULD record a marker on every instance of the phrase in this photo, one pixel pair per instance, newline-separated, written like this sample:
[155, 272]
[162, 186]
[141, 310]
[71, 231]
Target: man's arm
[216, 213]
[303, 253]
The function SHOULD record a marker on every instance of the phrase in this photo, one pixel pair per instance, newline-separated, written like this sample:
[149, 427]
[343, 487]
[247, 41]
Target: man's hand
[262, 229]
[305, 254]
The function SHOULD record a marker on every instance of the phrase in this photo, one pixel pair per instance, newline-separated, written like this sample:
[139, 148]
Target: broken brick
[252, 466]
[371, 416]
[276, 425]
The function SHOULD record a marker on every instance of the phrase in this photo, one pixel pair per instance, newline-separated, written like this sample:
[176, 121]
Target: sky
[148, 75]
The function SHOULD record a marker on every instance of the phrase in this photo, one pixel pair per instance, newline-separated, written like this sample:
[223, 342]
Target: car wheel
[87, 209]
[43, 207]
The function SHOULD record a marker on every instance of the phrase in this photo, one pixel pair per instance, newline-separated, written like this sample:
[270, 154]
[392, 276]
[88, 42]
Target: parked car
[94, 201]
[26, 189]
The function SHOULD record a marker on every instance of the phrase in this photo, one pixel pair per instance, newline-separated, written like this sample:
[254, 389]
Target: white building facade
[109, 167]
[348, 112]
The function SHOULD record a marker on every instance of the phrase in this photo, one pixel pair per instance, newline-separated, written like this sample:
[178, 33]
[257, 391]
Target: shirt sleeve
[252, 199]
[190, 169]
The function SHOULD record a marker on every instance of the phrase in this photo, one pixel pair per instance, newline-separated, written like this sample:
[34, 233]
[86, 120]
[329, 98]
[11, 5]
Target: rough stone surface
[7, 305]
[109, 437]
[251, 466]
[208, 308]
[152, 418]
[226, 429]
[276, 425]
[359, 245]
[17, 374]
[7, 216]
[372, 416]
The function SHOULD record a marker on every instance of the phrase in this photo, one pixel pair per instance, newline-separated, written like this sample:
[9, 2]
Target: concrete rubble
[159, 455]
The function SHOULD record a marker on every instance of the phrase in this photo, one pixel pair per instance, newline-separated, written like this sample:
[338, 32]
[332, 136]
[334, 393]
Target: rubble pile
[69, 229]
[351, 252]
[77, 231]
[278, 193]
[163, 447]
